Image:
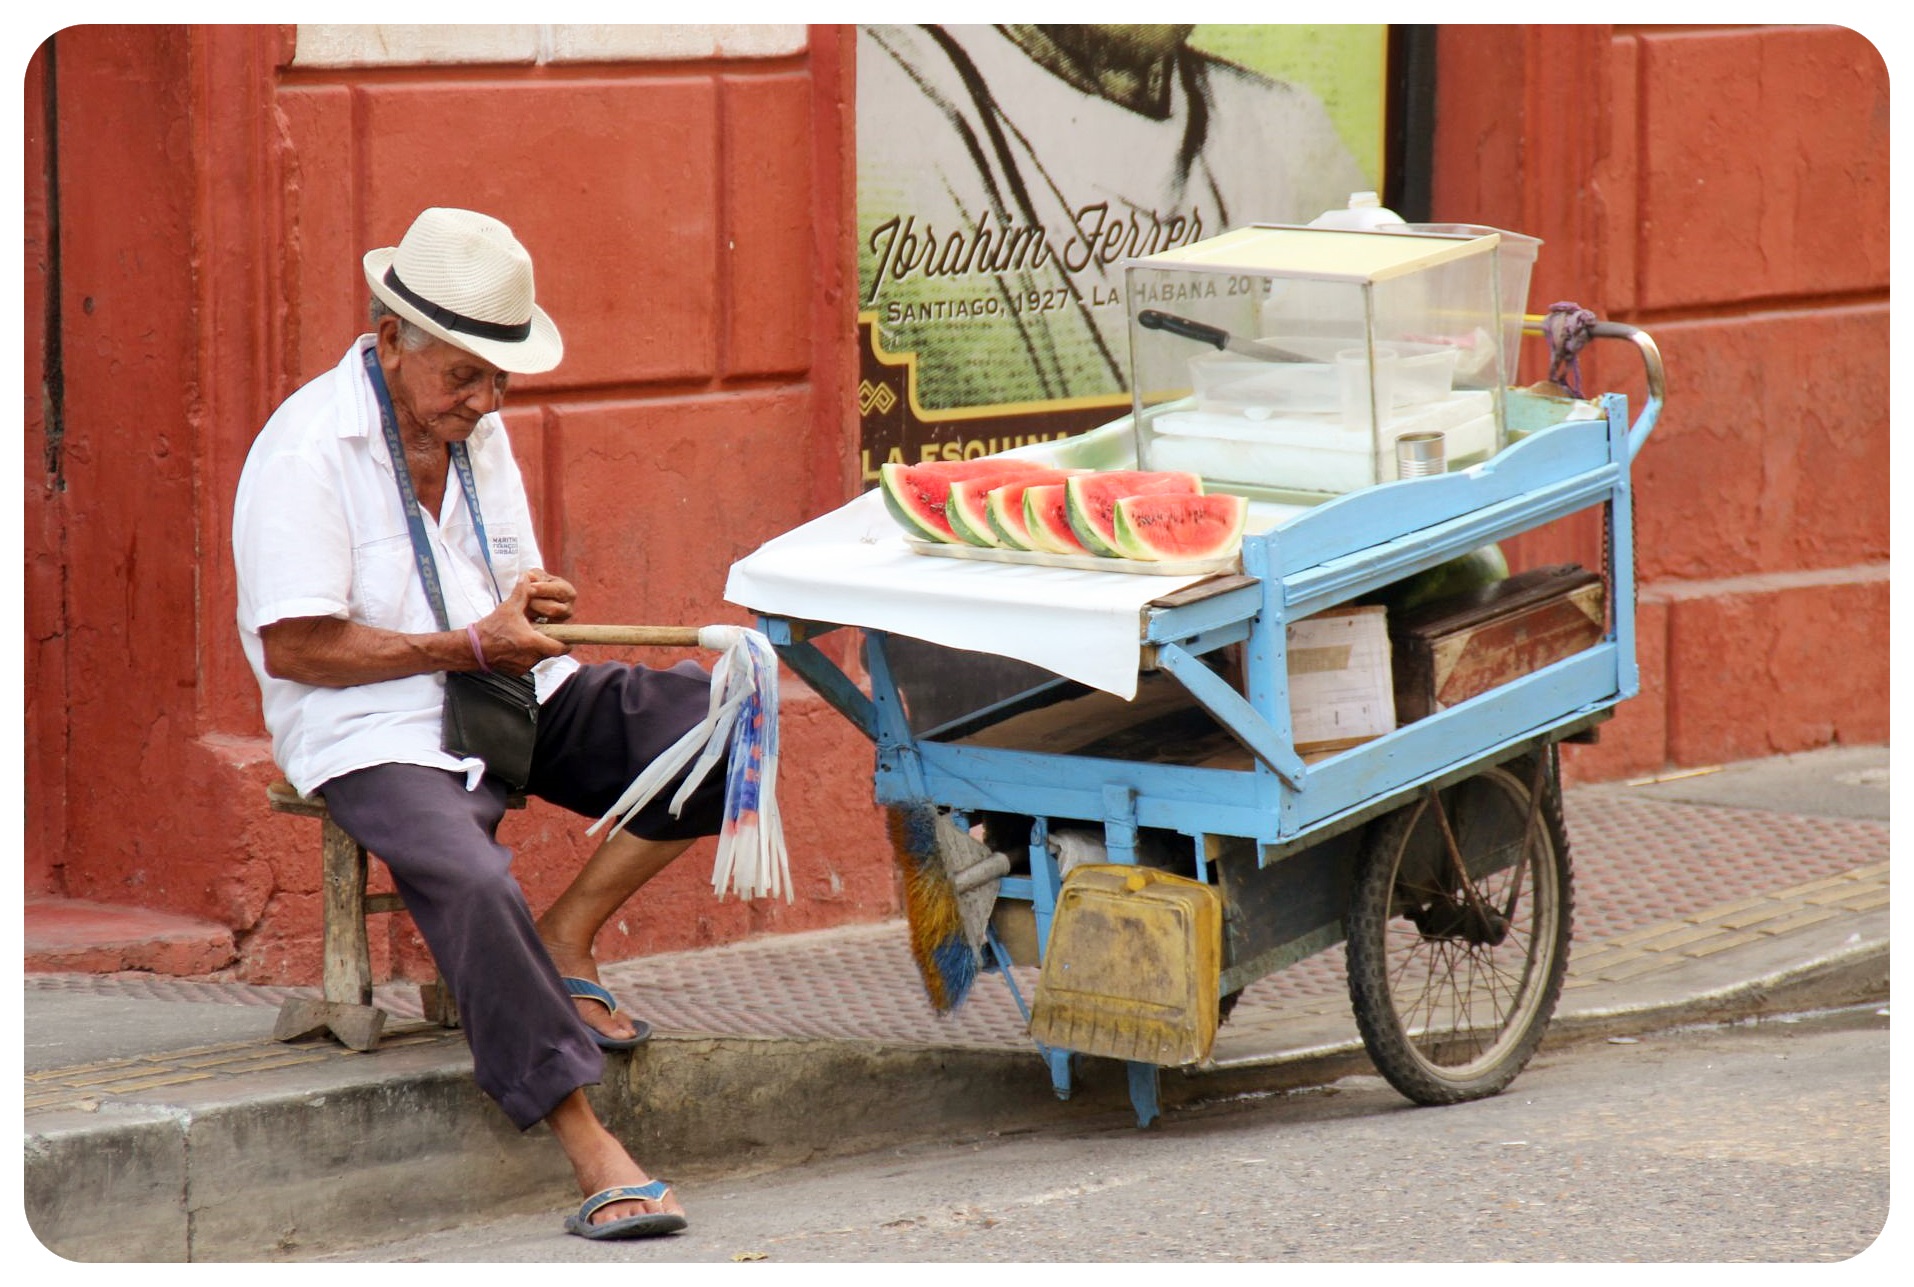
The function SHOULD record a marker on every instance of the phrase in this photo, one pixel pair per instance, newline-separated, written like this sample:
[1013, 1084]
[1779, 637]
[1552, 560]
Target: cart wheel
[1453, 982]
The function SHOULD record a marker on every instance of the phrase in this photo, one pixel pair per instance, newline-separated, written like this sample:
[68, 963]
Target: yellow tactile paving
[1800, 920]
[1622, 971]
[58, 1099]
[1756, 917]
[250, 1058]
[1720, 943]
[1679, 934]
[1632, 937]
[1735, 908]
[1865, 901]
[1716, 929]
[1814, 886]
[80, 1070]
[151, 1083]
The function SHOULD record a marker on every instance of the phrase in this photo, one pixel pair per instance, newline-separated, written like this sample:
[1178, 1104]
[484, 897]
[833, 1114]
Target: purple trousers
[530, 1048]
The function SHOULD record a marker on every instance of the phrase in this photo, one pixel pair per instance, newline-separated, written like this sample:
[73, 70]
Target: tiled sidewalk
[1657, 886]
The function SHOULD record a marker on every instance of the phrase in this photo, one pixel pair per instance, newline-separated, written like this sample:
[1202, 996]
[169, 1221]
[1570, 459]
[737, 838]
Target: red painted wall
[687, 220]
[1725, 188]
[41, 527]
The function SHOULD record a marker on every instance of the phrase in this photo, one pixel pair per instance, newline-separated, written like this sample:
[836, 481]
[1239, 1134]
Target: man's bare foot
[616, 1171]
[600, 1162]
[577, 963]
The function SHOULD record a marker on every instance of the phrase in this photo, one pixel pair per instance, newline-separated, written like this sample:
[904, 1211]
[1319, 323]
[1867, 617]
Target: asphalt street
[1750, 1142]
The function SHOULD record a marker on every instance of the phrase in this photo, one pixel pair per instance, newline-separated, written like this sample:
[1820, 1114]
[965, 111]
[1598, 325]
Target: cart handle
[1651, 362]
[629, 636]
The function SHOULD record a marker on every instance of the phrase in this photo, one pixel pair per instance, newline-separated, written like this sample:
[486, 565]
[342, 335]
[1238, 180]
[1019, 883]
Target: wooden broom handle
[631, 636]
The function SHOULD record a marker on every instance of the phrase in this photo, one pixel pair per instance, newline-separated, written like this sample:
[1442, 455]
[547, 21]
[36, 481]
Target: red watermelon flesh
[1004, 508]
[968, 507]
[1046, 517]
[916, 495]
[1174, 528]
[1092, 501]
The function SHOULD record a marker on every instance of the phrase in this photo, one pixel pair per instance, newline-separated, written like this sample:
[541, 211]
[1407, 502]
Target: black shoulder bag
[488, 715]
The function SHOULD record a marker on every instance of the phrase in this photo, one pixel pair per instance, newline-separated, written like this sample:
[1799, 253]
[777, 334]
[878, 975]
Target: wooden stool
[346, 1010]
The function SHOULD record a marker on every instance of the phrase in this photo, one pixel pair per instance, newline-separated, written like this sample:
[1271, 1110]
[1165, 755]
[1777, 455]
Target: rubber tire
[1367, 926]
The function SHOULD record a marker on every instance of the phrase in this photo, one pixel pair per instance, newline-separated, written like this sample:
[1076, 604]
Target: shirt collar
[362, 417]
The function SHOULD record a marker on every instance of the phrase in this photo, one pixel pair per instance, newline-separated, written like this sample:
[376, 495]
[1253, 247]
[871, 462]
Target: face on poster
[1005, 173]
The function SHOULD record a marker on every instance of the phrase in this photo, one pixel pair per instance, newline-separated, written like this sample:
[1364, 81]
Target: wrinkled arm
[332, 652]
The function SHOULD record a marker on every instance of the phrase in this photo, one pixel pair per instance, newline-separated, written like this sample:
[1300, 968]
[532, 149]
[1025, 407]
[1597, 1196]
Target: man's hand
[551, 597]
[332, 652]
[511, 642]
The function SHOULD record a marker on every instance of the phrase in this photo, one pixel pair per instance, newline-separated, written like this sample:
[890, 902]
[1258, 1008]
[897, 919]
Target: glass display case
[1286, 362]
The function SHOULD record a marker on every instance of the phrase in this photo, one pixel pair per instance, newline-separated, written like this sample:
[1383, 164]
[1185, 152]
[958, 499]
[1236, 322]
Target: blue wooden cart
[1436, 852]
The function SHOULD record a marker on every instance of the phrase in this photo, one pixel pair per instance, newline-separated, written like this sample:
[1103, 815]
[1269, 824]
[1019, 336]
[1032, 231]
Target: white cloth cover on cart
[851, 567]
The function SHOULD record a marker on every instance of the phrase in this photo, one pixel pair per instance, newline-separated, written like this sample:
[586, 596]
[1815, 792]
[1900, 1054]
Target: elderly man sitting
[386, 560]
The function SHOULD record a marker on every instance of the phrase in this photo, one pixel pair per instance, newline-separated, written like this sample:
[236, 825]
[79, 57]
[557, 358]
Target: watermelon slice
[968, 507]
[964, 507]
[916, 495]
[1046, 517]
[1004, 508]
[1092, 501]
[1174, 528]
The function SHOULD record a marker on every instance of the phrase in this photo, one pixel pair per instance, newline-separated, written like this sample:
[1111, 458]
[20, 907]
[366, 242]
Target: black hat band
[458, 321]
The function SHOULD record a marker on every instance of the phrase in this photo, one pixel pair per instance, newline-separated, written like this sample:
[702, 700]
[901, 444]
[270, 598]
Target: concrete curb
[259, 1176]
[1851, 976]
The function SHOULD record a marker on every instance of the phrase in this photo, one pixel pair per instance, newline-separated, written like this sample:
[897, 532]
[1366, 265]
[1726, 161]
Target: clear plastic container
[1517, 254]
[1331, 380]
[1286, 361]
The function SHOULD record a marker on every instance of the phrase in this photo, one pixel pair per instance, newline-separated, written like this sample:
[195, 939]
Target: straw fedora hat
[462, 277]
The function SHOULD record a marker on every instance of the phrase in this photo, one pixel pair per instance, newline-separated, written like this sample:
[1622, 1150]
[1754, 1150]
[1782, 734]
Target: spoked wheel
[1452, 977]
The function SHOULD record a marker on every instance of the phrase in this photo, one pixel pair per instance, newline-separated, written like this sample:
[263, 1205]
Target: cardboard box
[1340, 692]
[1454, 649]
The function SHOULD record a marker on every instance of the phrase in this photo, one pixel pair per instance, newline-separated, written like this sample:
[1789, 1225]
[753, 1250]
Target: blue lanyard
[409, 500]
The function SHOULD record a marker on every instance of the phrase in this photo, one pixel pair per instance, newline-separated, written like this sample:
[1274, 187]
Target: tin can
[1420, 454]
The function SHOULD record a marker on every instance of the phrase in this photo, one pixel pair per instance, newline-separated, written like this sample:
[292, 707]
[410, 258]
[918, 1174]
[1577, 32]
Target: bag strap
[409, 499]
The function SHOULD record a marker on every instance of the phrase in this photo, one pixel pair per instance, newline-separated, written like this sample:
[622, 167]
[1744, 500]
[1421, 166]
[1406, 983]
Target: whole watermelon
[1471, 571]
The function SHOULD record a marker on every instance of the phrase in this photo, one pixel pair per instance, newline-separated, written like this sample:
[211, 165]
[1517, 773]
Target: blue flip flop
[652, 1224]
[586, 989]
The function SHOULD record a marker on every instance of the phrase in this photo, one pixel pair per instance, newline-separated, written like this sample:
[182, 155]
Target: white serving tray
[1075, 562]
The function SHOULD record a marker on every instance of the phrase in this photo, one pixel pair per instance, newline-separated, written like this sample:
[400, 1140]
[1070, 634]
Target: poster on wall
[1004, 173]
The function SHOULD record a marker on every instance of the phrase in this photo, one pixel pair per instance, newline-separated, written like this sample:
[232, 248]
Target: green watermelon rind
[995, 509]
[933, 523]
[1146, 482]
[907, 518]
[969, 505]
[957, 511]
[1138, 544]
[1040, 533]
[1005, 510]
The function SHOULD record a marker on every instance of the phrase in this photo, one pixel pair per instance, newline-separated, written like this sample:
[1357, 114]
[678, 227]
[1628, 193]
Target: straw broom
[950, 884]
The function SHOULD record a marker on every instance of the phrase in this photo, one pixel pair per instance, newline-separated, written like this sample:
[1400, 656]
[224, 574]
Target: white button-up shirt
[319, 531]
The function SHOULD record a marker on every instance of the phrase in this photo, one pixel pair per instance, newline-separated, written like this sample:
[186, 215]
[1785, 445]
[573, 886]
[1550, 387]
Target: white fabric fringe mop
[743, 718]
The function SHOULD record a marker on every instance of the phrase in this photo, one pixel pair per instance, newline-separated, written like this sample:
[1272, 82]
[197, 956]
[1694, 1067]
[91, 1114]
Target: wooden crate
[1453, 649]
